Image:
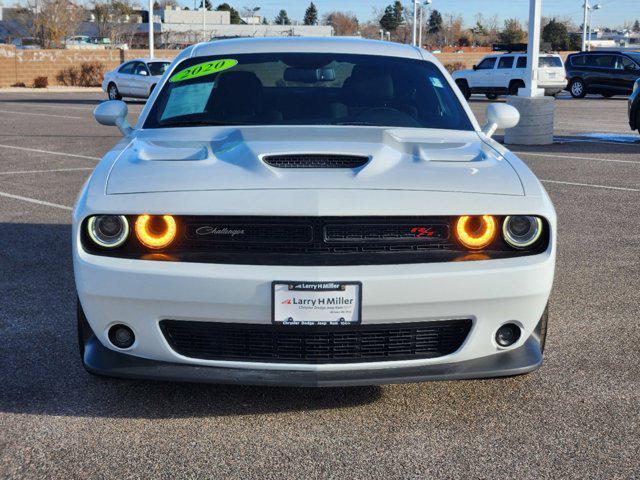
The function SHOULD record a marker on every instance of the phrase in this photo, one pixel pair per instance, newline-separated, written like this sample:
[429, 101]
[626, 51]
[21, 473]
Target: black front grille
[315, 161]
[315, 344]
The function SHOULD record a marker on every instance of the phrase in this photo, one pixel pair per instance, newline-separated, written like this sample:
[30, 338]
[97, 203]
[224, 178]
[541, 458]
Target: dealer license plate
[316, 303]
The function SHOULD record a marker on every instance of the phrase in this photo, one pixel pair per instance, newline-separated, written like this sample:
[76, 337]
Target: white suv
[505, 73]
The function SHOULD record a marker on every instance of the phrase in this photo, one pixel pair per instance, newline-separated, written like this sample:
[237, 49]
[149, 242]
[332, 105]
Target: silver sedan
[135, 78]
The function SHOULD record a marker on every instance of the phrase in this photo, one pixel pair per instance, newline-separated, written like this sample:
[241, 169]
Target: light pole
[584, 26]
[381, 34]
[427, 3]
[204, 21]
[415, 21]
[151, 29]
[533, 52]
[591, 9]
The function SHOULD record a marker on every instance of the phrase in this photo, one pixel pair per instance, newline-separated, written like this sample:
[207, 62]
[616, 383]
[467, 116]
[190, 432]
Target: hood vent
[315, 161]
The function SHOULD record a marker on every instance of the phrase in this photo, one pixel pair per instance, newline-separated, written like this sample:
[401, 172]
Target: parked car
[26, 43]
[504, 74]
[311, 212]
[634, 107]
[136, 78]
[607, 73]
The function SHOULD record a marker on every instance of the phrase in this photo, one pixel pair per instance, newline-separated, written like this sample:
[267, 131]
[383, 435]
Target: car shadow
[40, 362]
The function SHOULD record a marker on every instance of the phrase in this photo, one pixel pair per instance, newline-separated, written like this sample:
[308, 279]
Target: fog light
[121, 336]
[108, 231]
[508, 334]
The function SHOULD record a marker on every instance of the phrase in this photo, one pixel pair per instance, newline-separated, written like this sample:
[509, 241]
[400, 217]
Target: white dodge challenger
[311, 212]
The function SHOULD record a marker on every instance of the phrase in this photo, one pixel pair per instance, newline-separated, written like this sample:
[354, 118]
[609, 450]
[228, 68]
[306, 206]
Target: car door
[123, 79]
[503, 73]
[602, 72]
[626, 73]
[482, 78]
[140, 79]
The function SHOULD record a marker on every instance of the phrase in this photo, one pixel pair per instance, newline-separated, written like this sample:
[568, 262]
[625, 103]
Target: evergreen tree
[512, 32]
[636, 26]
[207, 4]
[556, 34]
[225, 7]
[392, 17]
[311, 15]
[282, 18]
[435, 22]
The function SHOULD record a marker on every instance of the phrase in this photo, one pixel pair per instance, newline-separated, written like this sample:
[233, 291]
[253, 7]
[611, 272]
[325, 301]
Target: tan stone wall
[25, 65]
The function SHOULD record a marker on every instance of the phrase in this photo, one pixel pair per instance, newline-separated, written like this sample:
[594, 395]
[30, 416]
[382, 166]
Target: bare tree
[113, 20]
[53, 20]
[343, 23]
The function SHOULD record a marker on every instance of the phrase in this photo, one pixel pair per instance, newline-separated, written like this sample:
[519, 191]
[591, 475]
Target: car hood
[224, 158]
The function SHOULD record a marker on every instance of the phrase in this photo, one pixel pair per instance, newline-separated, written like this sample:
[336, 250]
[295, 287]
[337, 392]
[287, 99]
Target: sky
[613, 13]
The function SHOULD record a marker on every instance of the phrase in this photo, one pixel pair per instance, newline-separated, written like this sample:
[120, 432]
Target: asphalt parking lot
[577, 417]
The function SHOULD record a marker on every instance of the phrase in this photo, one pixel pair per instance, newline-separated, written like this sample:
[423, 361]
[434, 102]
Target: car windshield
[157, 68]
[550, 62]
[635, 56]
[307, 89]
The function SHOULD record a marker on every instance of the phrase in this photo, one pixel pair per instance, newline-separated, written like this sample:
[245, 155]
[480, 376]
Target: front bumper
[141, 293]
[100, 360]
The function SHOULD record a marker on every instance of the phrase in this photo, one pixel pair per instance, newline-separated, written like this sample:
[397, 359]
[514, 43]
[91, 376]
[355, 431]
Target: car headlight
[108, 231]
[521, 231]
[156, 231]
[476, 233]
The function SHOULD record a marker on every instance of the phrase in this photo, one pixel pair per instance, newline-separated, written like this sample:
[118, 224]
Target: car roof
[309, 45]
[605, 52]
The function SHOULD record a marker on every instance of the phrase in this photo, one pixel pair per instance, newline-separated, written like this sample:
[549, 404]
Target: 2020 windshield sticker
[202, 69]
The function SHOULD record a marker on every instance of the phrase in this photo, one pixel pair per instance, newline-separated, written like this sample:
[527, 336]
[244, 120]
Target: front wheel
[578, 89]
[492, 96]
[113, 93]
[464, 88]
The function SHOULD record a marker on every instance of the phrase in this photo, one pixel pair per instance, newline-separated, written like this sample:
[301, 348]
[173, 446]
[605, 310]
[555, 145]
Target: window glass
[578, 60]
[307, 89]
[601, 61]
[140, 69]
[555, 62]
[487, 64]
[126, 68]
[157, 68]
[522, 62]
[623, 63]
[505, 62]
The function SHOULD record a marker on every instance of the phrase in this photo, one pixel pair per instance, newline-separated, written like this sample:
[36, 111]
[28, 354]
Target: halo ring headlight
[108, 231]
[156, 232]
[476, 233]
[521, 231]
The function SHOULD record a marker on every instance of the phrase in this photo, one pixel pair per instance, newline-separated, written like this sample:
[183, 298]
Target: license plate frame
[312, 290]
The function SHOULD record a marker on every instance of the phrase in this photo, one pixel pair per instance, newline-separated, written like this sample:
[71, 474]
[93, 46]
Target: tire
[514, 87]
[492, 96]
[464, 88]
[112, 92]
[577, 88]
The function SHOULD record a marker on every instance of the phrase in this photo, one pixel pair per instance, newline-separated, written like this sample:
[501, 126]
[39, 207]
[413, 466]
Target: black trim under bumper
[101, 360]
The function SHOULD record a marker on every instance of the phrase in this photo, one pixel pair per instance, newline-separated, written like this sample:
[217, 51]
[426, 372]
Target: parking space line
[570, 157]
[37, 105]
[41, 114]
[46, 171]
[64, 154]
[34, 200]
[607, 187]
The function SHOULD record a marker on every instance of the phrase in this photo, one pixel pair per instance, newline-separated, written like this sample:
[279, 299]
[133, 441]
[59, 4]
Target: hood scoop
[306, 160]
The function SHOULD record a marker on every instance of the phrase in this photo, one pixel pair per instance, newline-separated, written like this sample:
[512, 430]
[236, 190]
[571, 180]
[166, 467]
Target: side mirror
[475, 67]
[114, 114]
[500, 115]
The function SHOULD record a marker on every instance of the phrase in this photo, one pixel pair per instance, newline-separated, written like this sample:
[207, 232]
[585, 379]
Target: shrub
[41, 82]
[19, 84]
[454, 67]
[88, 74]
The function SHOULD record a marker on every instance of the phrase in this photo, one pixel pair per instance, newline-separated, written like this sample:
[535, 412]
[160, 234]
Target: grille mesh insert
[315, 161]
[321, 344]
